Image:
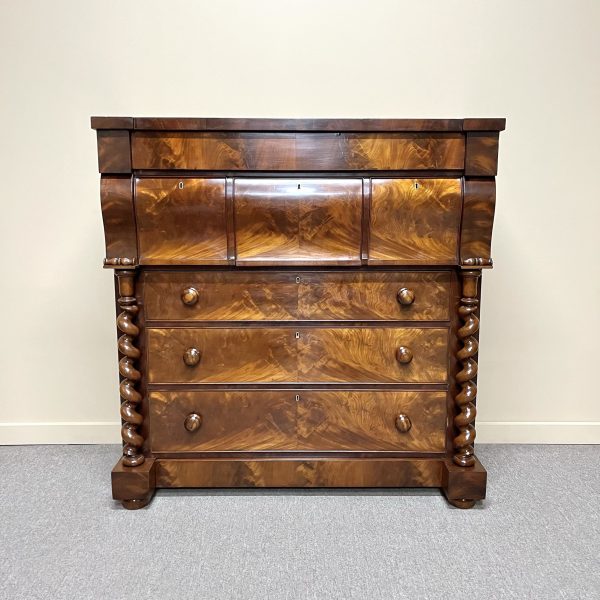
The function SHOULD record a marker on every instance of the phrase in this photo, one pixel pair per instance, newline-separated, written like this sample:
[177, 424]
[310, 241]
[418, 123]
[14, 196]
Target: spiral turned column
[130, 396]
[464, 454]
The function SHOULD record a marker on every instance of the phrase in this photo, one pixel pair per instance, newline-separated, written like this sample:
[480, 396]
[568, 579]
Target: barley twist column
[465, 399]
[130, 396]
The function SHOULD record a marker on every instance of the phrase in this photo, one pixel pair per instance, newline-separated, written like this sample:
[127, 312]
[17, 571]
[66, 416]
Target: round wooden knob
[403, 423]
[190, 296]
[191, 357]
[193, 422]
[405, 296]
[404, 355]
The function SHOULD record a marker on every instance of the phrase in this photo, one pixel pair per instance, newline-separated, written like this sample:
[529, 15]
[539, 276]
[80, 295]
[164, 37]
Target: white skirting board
[491, 432]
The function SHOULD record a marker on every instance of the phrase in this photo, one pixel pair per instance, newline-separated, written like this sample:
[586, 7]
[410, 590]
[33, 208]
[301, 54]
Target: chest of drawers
[297, 300]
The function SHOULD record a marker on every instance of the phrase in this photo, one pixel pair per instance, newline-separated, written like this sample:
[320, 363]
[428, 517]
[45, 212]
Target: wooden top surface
[333, 125]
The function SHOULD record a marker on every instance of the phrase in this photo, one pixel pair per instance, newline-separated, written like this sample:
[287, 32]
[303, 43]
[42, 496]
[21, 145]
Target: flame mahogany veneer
[297, 300]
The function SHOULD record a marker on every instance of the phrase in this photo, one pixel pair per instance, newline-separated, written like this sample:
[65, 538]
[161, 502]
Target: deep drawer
[297, 420]
[301, 295]
[303, 354]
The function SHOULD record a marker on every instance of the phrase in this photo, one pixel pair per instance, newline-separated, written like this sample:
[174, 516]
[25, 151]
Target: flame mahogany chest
[297, 300]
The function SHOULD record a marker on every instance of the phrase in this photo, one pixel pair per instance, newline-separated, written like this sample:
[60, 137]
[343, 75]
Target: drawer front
[181, 221]
[393, 296]
[265, 355]
[225, 355]
[296, 151]
[303, 295]
[415, 221]
[298, 221]
[299, 420]
[371, 355]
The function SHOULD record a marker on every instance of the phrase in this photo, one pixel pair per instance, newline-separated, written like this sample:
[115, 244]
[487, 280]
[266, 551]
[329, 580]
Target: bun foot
[135, 503]
[463, 503]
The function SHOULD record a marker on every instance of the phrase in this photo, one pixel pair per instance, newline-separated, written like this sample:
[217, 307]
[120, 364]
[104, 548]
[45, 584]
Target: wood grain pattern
[364, 296]
[222, 296]
[302, 420]
[264, 151]
[303, 309]
[228, 355]
[415, 221]
[297, 295]
[477, 221]
[116, 199]
[114, 151]
[368, 354]
[303, 473]
[262, 124]
[266, 355]
[481, 153]
[297, 221]
[181, 221]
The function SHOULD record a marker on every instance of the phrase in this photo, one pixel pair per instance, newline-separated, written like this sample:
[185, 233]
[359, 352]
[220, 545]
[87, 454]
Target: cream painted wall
[534, 62]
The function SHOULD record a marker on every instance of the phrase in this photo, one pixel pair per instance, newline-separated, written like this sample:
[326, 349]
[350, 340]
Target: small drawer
[298, 295]
[415, 221]
[298, 221]
[297, 420]
[181, 221]
[303, 354]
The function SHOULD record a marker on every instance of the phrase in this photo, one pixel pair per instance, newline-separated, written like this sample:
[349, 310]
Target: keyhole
[181, 185]
[297, 279]
[297, 397]
[297, 335]
[416, 186]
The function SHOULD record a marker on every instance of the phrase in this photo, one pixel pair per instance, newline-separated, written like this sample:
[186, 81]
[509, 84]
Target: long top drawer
[297, 295]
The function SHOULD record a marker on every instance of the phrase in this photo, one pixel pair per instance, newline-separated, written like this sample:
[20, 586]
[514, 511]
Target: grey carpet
[537, 535]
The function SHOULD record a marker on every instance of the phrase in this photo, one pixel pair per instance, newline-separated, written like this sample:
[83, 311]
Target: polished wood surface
[128, 370]
[299, 473]
[464, 421]
[297, 300]
[477, 221]
[368, 354]
[415, 221]
[481, 153]
[302, 420]
[228, 355]
[297, 221]
[116, 200]
[181, 221]
[114, 151]
[237, 151]
[297, 295]
[245, 124]
[303, 354]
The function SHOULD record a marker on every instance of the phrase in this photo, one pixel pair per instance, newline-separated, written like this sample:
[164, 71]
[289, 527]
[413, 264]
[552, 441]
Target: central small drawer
[309, 420]
[298, 221]
[303, 354]
[297, 296]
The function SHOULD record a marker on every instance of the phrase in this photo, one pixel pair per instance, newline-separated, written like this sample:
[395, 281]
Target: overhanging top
[219, 124]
